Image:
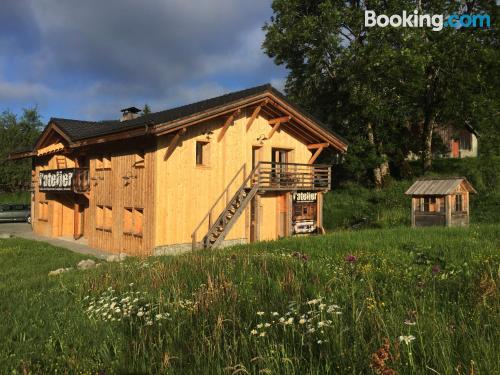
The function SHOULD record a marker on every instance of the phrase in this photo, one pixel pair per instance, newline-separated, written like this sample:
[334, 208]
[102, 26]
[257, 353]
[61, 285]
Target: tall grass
[219, 307]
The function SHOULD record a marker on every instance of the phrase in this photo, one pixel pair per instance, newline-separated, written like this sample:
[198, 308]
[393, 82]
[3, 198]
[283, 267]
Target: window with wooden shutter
[106, 162]
[103, 162]
[139, 159]
[133, 221]
[138, 218]
[128, 220]
[43, 211]
[108, 218]
[99, 217]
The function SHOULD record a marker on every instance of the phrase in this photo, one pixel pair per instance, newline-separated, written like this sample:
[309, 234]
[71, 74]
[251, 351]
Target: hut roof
[439, 186]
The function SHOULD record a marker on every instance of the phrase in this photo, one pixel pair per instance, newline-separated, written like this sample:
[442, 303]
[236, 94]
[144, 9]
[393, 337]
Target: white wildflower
[267, 325]
[275, 314]
[140, 313]
[282, 320]
[253, 332]
[302, 321]
[406, 339]
[262, 334]
[259, 326]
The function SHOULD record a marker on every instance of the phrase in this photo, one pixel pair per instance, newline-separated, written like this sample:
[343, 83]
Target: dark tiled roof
[78, 130]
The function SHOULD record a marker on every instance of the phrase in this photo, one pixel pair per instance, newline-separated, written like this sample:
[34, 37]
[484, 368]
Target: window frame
[205, 152]
[140, 159]
[43, 211]
[458, 205]
[103, 214]
[103, 163]
[132, 228]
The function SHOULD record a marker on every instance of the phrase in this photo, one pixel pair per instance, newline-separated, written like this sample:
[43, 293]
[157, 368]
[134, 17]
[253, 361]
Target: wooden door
[455, 148]
[282, 216]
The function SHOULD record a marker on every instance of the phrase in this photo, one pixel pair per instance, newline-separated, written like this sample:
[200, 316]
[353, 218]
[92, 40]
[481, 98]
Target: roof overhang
[299, 123]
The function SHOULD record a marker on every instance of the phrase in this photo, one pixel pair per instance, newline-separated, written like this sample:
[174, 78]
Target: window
[280, 157]
[202, 153]
[103, 162]
[108, 218]
[104, 218]
[99, 217]
[428, 204]
[43, 211]
[458, 203]
[128, 220]
[465, 141]
[139, 159]
[132, 221]
[441, 204]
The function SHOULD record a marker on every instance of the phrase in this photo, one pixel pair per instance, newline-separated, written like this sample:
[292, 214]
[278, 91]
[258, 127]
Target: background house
[460, 142]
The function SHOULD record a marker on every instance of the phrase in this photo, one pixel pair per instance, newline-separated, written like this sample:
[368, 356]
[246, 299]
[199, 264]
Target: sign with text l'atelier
[305, 196]
[56, 180]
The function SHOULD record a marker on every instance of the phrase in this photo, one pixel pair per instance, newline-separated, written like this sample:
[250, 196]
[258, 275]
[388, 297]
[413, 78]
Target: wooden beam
[228, 122]
[174, 142]
[76, 221]
[315, 156]
[279, 120]
[273, 130]
[317, 145]
[255, 113]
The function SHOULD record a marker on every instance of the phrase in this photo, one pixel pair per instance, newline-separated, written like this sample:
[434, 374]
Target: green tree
[17, 134]
[383, 88]
[146, 110]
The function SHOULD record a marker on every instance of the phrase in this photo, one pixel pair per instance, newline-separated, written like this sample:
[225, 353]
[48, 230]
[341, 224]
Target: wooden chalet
[440, 201]
[233, 169]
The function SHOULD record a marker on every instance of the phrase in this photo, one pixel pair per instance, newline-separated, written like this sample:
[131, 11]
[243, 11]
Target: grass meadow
[381, 301]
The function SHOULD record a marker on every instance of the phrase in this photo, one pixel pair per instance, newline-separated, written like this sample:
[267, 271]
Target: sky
[89, 59]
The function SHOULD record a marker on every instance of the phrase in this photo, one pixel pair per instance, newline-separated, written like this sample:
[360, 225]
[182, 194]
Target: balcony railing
[81, 180]
[292, 176]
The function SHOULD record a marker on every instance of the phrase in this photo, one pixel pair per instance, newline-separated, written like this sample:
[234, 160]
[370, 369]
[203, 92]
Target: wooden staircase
[229, 216]
[265, 177]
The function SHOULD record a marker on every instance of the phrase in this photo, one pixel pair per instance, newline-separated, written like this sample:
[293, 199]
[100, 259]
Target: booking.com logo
[436, 21]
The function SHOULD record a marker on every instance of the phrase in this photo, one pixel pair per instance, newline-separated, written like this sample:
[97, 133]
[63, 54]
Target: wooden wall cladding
[129, 183]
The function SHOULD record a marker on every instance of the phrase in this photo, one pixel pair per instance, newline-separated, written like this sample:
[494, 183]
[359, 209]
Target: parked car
[15, 212]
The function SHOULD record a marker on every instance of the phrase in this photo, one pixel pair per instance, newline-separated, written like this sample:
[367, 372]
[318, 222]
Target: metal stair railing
[207, 218]
[223, 224]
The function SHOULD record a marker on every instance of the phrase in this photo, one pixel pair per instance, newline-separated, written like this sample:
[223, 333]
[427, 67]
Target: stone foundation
[182, 248]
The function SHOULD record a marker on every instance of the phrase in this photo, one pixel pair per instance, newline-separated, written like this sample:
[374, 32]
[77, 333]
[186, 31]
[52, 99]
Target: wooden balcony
[81, 180]
[292, 176]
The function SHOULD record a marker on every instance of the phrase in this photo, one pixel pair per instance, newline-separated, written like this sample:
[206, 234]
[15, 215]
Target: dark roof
[78, 130]
[438, 186]
[130, 109]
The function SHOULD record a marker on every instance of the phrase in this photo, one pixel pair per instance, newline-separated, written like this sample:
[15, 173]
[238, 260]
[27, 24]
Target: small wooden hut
[440, 201]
